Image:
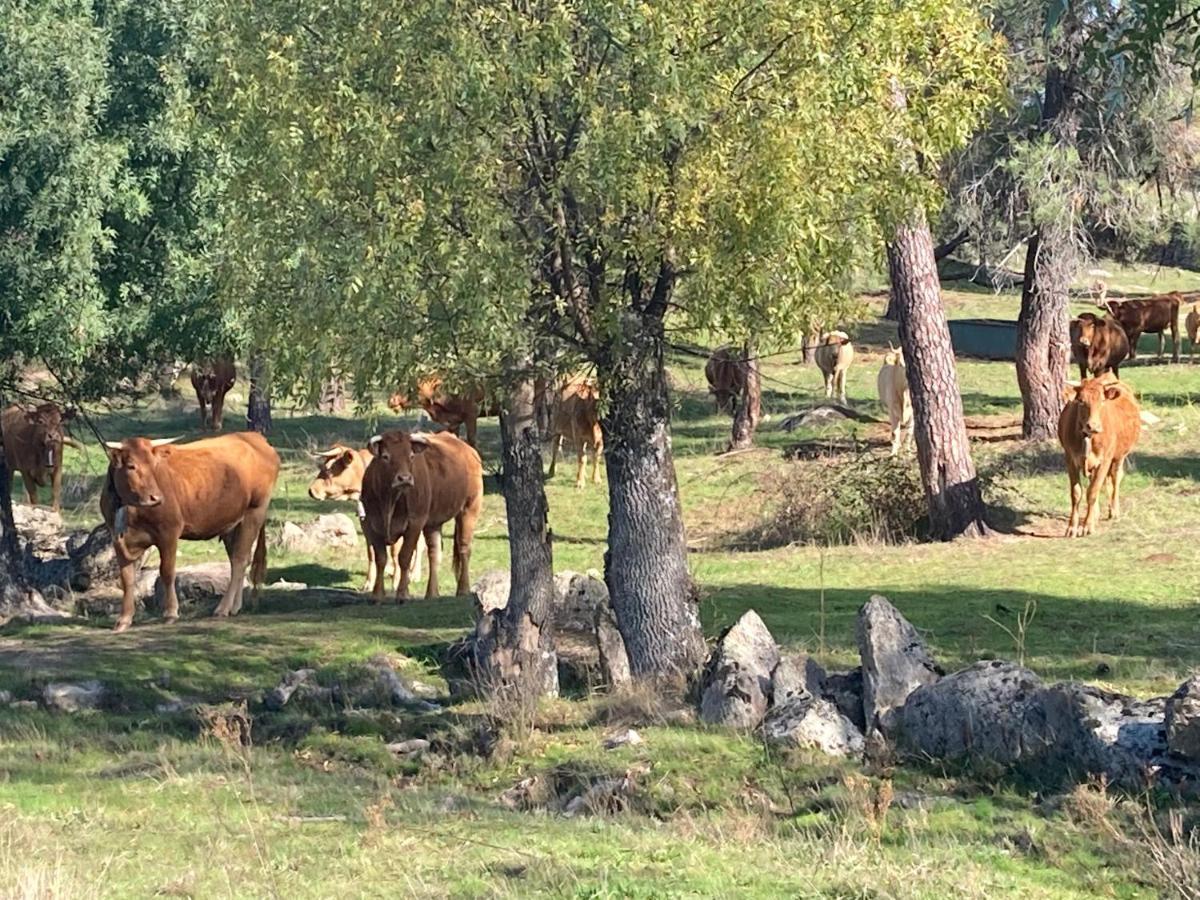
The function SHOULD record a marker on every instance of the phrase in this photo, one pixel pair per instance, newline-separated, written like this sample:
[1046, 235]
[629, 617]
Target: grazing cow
[1192, 324]
[451, 411]
[157, 494]
[340, 471]
[1149, 315]
[413, 486]
[212, 379]
[833, 357]
[576, 417]
[1097, 428]
[892, 384]
[33, 442]
[726, 374]
[1098, 344]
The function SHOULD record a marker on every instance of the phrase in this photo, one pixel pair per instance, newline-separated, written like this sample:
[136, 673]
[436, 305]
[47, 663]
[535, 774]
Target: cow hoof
[220, 614]
[170, 620]
[122, 625]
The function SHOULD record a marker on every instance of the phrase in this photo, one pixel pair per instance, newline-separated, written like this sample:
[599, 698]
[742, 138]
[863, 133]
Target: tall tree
[748, 412]
[258, 406]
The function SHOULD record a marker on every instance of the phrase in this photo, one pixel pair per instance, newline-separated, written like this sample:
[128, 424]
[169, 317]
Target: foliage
[108, 188]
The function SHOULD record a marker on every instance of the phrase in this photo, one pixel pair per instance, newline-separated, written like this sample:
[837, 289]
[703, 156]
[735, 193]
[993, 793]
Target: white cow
[893, 394]
[833, 357]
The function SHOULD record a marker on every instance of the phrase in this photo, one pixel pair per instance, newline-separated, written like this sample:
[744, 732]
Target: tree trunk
[515, 646]
[943, 450]
[1043, 342]
[646, 566]
[748, 413]
[258, 409]
[333, 395]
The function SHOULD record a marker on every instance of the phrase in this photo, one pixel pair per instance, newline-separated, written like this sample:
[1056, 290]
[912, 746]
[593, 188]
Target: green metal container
[984, 338]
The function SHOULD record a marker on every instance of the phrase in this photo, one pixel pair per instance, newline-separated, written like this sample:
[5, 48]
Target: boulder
[40, 530]
[1183, 720]
[814, 723]
[614, 659]
[895, 662]
[578, 598]
[73, 697]
[291, 682]
[330, 530]
[797, 676]
[978, 715]
[196, 586]
[93, 562]
[491, 591]
[736, 684]
[845, 691]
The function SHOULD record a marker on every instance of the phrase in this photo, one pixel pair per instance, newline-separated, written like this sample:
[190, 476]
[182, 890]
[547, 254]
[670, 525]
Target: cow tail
[459, 544]
[258, 568]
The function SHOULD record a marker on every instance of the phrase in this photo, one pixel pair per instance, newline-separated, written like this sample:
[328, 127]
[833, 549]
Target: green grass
[128, 802]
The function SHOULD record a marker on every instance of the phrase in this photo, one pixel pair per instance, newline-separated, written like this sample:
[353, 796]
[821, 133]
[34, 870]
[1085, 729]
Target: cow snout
[153, 500]
[402, 480]
[1089, 429]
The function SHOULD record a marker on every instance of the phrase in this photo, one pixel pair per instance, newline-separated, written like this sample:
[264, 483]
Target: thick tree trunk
[515, 646]
[646, 565]
[943, 450]
[1043, 342]
[748, 412]
[258, 409]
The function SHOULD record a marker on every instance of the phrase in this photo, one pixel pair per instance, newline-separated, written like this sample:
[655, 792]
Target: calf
[1098, 344]
[33, 442]
[726, 374]
[576, 417]
[340, 471]
[1149, 315]
[1192, 324]
[156, 494]
[212, 379]
[892, 384]
[1097, 428]
[451, 411]
[833, 357]
[413, 486]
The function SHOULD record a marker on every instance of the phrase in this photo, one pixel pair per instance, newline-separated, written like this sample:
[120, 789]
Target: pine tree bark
[748, 412]
[258, 409]
[1043, 341]
[515, 646]
[646, 565]
[943, 450]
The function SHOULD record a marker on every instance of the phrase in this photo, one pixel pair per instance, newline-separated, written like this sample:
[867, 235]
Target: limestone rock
[815, 723]
[1183, 720]
[797, 676]
[197, 586]
[40, 530]
[327, 531]
[895, 662]
[736, 684]
[845, 691]
[73, 697]
[491, 591]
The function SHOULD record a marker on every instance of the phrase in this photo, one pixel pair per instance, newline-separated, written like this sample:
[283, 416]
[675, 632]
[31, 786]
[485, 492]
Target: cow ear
[1112, 392]
[373, 444]
[347, 457]
[113, 449]
[1069, 391]
[420, 442]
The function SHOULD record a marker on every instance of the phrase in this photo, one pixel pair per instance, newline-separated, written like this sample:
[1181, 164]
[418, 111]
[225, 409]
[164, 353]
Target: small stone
[6, 697]
[23, 704]
[292, 682]
[67, 697]
[411, 747]
[628, 737]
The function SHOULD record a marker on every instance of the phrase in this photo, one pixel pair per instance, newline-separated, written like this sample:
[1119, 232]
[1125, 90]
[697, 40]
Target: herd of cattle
[408, 486]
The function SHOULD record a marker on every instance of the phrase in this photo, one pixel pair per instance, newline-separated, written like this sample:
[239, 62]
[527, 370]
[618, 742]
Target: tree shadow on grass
[1154, 466]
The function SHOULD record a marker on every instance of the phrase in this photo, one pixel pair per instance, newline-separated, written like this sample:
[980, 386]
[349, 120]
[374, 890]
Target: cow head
[1088, 399]
[395, 452]
[47, 425]
[133, 466]
[339, 475]
[1083, 329]
[209, 383]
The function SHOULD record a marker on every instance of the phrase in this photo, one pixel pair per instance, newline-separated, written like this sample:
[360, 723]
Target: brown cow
[1149, 315]
[576, 417]
[33, 442]
[1192, 324]
[212, 380]
[1097, 428]
[157, 494]
[1098, 344]
[451, 411]
[413, 486]
[340, 471]
[726, 374]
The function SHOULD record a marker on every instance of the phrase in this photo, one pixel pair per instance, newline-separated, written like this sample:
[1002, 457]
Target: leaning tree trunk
[515, 646]
[748, 413]
[258, 409]
[943, 451]
[1043, 342]
[646, 565]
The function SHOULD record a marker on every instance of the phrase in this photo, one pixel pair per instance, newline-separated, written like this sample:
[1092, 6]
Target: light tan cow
[576, 417]
[833, 357]
[892, 384]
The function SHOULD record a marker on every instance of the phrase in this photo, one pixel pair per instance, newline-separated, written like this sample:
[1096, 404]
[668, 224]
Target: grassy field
[130, 802]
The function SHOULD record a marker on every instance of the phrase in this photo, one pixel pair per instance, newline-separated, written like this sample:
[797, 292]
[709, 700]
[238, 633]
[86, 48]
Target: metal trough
[984, 338]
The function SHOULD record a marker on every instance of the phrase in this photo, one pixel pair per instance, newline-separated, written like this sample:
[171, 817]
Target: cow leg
[464, 534]
[218, 411]
[31, 488]
[247, 534]
[433, 546]
[1095, 482]
[581, 463]
[1175, 340]
[407, 548]
[203, 414]
[896, 429]
[598, 451]
[1134, 337]
[56, 487]
[1076, 492]
[237, 571]
[557, 444]
[472, 425]
[1115, 474]
[128, 552]
[167, 552]
[828, 377]
[370, 582]
[1161, 335]
[842, 386]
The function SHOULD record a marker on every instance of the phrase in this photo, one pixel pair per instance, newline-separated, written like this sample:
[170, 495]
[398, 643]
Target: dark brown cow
[1149, 315]
[414, 485]
[212, 380]
[1097, 428]
[452, 411]
[576, 417]
[340, 471]
[1098, 344]
[33, 442]
[157, 494]
[726, 374]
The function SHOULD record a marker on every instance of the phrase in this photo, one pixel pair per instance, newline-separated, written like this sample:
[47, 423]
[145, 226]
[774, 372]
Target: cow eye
[385, 456]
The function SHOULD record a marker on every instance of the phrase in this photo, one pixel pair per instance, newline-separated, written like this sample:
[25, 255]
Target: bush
[843, 500]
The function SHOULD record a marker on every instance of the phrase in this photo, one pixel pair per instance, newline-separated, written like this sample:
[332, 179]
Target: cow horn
[329, 454]
[419, 437]
[113, 445]
[373, 443]
[162, 442]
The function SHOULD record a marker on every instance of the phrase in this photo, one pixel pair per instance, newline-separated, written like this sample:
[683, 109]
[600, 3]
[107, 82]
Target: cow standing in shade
[1149, 315]
[892, 384]
[726, 375]
[340, 471]
[157, 494]
[577, 419]
[414, 485]
[1192, 324]
[33, 442]
[1098, 345]
[833, 357]
[1097, 429]
[212, 379]
[451, 411]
